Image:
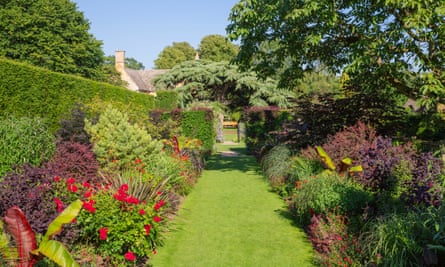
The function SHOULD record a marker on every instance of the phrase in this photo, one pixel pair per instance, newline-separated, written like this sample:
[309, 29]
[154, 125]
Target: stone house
[137, 80]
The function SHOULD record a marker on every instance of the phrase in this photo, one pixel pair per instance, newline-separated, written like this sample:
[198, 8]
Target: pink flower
[147, 229]
[157, 219]
[70, 180]
[129, 256]
[103, 233]
[141, 211]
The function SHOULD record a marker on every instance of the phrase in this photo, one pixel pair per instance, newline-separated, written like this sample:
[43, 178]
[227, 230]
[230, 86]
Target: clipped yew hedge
[260, 123]
[166, 100]
[30, 91]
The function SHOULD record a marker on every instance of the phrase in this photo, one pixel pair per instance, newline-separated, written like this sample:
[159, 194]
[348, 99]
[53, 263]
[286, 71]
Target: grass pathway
[231, 218]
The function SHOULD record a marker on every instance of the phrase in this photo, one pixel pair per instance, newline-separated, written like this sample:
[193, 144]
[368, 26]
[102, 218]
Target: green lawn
[231, 218]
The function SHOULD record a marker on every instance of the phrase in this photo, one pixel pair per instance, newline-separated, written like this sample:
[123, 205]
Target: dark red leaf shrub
[332, 242]
[350, 142]
[74, 160]
[73, 128]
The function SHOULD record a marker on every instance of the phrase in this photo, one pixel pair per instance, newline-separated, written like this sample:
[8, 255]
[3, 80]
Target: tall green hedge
[199, 124]
[260, 122]
[166, 100]
[35, 92]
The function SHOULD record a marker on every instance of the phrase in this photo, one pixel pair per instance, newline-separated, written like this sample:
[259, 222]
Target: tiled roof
[144, 78]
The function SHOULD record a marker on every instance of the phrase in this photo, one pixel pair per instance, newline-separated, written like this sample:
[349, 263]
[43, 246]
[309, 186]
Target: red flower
[57, 179]
[141, 212]
[120, 196]
[103, 233]
[154, 252]
[123, 188]
[89, 206]
[129, 256]
[72, 188]
[132, 200]
[70, 180]
[88, 194]
[159, 193]
[137, 161]
[86, 184]
[157, 219]
[59, 204]
[147, 229]
[159, 205]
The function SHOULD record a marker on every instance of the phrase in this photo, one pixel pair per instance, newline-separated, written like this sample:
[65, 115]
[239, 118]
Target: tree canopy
[175, 54]
[200, 81]
[388, 45]
[217, 48]
[51, 34]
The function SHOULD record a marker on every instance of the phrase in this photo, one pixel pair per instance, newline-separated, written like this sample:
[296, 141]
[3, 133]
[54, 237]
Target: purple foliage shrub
[30, 190]
[33, 188]
[378, 160]
[427, 178]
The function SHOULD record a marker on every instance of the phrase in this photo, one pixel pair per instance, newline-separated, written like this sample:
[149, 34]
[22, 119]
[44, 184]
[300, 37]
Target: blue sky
[143, 28]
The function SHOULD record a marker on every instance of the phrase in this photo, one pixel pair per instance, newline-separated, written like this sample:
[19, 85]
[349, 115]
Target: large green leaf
[325, 158]
[57, 252]
[65, 217]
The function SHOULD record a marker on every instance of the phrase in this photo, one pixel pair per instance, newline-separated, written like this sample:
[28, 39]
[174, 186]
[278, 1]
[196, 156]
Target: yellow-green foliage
[31, 91]
[117, 142]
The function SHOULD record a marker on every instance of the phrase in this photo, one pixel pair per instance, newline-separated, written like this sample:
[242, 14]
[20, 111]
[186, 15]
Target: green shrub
[24, 140]
[118, 143]
[322, 193]
[118, 224]
[31, 91]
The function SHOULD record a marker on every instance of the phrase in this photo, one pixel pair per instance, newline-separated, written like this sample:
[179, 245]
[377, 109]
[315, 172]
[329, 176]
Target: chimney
[119, 60]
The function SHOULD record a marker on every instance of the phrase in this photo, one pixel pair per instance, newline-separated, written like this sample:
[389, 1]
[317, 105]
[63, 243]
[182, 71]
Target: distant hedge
[260, 122]
[35, 92]
[199, 124]
[166, 100]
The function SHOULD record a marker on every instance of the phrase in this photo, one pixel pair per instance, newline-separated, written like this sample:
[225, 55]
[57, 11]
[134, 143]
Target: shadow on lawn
[239, 161]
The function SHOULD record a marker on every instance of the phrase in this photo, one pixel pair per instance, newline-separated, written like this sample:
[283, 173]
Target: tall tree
[175, 54]
[383, 45]
[201, 80]
[217, 48]
[51, 34]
